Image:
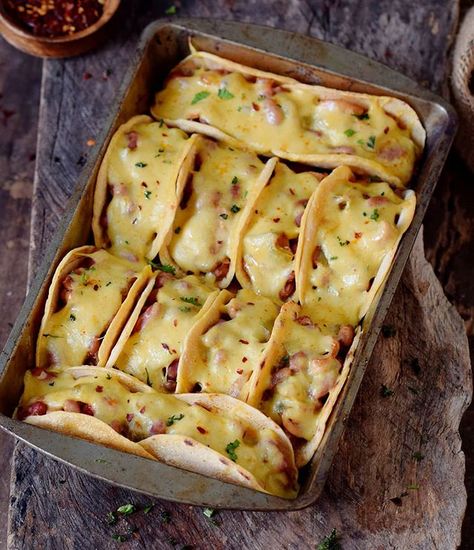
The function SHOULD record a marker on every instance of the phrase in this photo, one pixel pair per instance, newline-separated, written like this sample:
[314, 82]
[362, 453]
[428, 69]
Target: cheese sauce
[142, 169]
[166, 318]
[286, 117]
[138, 415]
[90, 297]
[270, 240]
[205, 229]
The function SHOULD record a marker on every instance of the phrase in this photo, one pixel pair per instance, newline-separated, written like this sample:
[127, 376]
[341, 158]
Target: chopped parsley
[235, 180]
[109, 283]
[364, 116]
[388, 331]
[234, 209]
[341, 242]
[224, 216]
[126, 509]
[171, 10]
[350, 132]
[375, 215]
[147, 194]
[185, 309]
[148, 508]
[165, 517]
[141, 164]
[190, 300]
[418, 456]
[72, 317]
[174, 418]
[386, 391]
[199, 97]
[161, 122]
[329, 542]
[111, 518]
[413, 487]
[84, 278]
[371, 142]
[230, 449]
[224, 93]
[103, 461]
[162, 267]
[108, 376]
[119, 538]
[209, 512]
[333, 258]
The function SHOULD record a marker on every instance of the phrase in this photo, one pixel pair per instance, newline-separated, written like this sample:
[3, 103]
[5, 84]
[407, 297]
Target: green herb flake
[102, 461]
[209, 512]
[108, 376]
[148, 508]
[413, 487]
[174, 418]
[72, 317]
[333, 257]
[119, 538]
[162, 267]
[190, 300]
[109, 283]
[239, 108]
[388, 331]
[171, 10]
[126, 509]
[365, 116]
[375, 215]
[84, 278]
[147, 194]
[230, 450]
[279, 407]
[235, 180]
[341, 242]
[386, 391]
[371, 142]
[165, 517]
[418, 456]
[350, 132]
[224, 93]
[329, 542]
[48, 335]
[199, 97]
[234, 209]
[161, 122]
[224, 216]
[141, 164]
[185, 309]
[51, 384]
[111, 518]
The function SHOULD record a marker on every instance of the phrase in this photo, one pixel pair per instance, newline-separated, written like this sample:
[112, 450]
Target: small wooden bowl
[63, 46]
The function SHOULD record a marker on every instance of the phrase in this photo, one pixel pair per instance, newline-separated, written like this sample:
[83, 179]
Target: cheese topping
[90, 297]
[228, 351]
[142, 168]
[152, 352]
[288, 118]
[352, 228]
[270, 240]
[138, 415]
[205, 230]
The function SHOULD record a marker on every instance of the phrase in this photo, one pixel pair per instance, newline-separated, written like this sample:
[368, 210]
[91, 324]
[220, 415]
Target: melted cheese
[228, 351]
[352, 229]
[276, 215]
[96, 294]
[286, 118]
[143, 184]
[138, 415]
[205, 229]
[157, 342]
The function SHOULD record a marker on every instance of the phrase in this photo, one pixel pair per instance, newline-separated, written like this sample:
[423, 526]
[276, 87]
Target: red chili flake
[357, 235]
[276, 220]
[242, 341]
[130, 417]
[86, 76]
[255, 107]
[240, 371]
[90, 142]
[291, 191]
[99, 389]
[201, 430]
[175, 322]
[165, 346]
[143, 409]
[244, 359]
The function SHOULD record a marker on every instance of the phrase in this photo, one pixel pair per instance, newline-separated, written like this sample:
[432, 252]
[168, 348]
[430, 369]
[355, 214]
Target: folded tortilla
[225, 345]
[215, 200]
[301, 374]
[214, 435]
[135, 197]
[90, 298]
[270, 238]
[276, 115]
[349, 236]
[150, 345]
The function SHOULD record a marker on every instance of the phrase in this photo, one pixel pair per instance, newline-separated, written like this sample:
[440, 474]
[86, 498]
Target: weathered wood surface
[365, 479]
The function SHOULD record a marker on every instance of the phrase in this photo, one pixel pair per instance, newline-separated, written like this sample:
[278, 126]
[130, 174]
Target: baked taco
[215, 200]
[135, 197]
[276, 115]
[90, 298]
[150, 345]
[301, 374]
[215, 435]
[349, 235]
[270, 237]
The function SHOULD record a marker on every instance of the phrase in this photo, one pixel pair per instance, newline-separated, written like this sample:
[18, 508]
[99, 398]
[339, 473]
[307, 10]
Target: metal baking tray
[161, 46]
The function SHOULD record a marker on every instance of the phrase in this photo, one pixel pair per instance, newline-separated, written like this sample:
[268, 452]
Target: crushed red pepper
[52, 18]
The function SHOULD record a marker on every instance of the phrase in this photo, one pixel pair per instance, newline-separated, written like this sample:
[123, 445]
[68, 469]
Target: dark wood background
[74, 100]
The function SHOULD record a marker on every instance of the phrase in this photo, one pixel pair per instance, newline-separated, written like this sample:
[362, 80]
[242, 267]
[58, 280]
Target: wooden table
[397, 481]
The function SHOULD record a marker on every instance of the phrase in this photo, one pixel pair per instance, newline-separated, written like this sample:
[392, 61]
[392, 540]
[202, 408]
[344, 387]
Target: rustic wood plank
[362, 498]
[18, 110]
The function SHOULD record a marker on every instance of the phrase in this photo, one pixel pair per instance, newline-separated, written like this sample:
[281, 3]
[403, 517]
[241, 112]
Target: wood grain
[363, 498]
